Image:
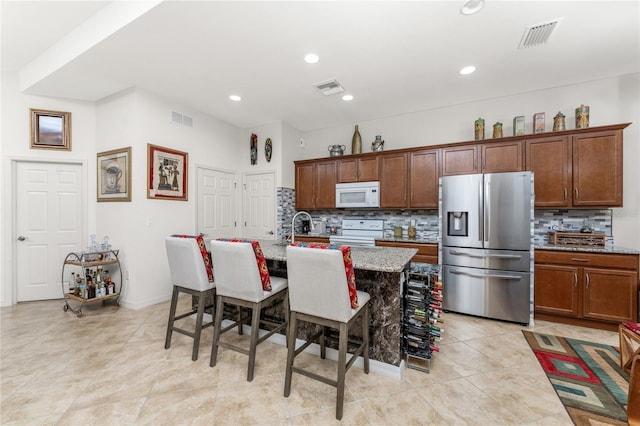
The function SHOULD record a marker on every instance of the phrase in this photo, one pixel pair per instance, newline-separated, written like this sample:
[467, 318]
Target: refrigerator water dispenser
[457, 225]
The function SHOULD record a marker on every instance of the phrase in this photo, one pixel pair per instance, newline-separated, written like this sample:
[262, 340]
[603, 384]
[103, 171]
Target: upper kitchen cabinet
[316, 185]
[580, 168]
[423, 179]
[460, 160]
[499, 157]
[393, 180]
[549, 159]
[358, 169]
[597, 169]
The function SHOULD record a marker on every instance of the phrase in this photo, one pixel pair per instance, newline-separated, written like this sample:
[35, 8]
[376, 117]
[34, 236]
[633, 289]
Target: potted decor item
[378, 144]
[356, 142]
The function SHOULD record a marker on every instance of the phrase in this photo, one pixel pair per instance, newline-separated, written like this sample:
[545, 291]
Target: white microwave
[358, 195]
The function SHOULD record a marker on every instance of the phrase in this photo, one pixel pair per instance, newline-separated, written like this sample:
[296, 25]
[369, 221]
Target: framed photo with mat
[114, 175]
[167, 173]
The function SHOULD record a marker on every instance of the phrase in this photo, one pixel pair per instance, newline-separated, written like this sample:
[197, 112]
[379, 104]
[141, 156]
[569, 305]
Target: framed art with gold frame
[114, 175]
[167, 173]
[50, 129]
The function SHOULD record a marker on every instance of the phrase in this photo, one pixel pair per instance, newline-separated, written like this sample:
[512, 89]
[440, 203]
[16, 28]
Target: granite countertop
[587, 249]
[429, 240]
[384, 259]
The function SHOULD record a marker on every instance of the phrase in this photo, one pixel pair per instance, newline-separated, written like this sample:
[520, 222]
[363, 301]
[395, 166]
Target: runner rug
[586, 376]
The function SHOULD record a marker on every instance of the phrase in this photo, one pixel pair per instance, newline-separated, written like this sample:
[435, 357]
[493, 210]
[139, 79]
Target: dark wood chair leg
[198, 331]
[172, 315]
[216, 331]
[255, 328]
[365, 337]
[343, 340]
[291, 342]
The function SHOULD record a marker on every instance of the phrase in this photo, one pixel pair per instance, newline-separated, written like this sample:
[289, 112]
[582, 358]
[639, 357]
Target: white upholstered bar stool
[238, 282]
[318, 294]
[189, 275]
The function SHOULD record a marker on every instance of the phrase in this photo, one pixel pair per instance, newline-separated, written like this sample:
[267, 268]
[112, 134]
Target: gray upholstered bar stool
[318, 294]
[189, 275]
[238, 282]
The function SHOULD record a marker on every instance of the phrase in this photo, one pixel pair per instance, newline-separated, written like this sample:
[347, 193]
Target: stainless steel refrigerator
[487, 244]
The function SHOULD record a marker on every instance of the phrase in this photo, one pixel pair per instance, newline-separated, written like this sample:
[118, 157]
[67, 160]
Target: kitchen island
[380, 271]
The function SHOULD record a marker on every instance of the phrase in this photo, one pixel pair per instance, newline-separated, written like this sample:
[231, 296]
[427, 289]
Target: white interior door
[217, 199]
[259, 206]
[49, 219]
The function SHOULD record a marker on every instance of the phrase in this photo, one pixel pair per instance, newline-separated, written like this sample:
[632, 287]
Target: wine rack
[422, 319]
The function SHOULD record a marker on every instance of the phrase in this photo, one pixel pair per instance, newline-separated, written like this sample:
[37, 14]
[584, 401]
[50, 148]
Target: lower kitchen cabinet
[427, 253]
[589, 289]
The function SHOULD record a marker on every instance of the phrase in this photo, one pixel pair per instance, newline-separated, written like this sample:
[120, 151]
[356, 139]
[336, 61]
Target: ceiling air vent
[538, 34]
[329, 87]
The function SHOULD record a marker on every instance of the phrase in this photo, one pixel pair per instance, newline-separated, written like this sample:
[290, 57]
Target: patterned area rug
[586, 376]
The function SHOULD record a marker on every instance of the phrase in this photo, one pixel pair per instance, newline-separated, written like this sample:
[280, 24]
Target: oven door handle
[502, 276]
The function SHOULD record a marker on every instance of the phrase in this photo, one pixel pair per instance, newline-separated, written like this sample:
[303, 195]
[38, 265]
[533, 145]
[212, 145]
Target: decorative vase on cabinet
[356, 142]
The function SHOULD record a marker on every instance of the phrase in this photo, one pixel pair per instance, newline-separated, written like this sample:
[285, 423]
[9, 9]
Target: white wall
[15, 142]
[135, 118]
[292, 150]
[270, 130]
[611, 101]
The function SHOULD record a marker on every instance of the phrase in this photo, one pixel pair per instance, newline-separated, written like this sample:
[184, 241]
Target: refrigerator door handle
[482, 256]
[503, 276]
[487, 208]
[480, 213]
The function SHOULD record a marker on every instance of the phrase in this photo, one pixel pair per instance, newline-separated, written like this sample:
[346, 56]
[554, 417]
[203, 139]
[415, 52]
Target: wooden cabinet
[423, 179]
[358, 169]
[462, 160]
[597, 290]
[549, 159]
[580, 170]
[316, 185]
[499, 157]
[393, 180]
[427, 253]
[597, 169]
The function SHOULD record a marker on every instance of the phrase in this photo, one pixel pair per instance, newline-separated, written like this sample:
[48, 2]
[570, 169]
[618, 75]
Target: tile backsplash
[427, 220]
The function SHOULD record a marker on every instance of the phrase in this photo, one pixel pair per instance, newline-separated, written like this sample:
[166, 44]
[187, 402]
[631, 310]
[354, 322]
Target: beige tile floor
[110, 368]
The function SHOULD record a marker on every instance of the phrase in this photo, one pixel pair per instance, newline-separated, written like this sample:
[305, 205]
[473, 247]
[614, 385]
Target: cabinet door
[325, 185]
[550, 161]
[610, 294]
[304, 186]
[597, 169]
[423, 179]
[368, 169]
[393, 181]
[556, 290]
[347, 170]
[503, 157]
[460, 161]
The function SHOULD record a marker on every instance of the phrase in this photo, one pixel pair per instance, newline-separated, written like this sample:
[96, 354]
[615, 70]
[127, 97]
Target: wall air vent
[178, 118]
[329, 87]
[537, 34]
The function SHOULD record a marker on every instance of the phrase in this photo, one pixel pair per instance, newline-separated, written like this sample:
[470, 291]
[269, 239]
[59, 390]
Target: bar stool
[319, 294]
[189, 275]
[239, 282]
[629, 334]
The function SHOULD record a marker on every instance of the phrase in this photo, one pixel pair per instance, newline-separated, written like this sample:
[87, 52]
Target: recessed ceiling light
[235, 98]
[471, 7]
[467, 70]
[347, 98]
[311, 58]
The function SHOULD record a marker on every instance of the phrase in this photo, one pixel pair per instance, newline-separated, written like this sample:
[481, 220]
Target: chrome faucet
[293, 221]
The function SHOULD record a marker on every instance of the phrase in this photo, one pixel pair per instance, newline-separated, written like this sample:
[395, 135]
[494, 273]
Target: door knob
[270, 232]
[21, 238]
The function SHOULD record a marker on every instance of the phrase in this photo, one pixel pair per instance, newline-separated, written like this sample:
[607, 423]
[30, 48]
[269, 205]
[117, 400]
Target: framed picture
[114, 175]
[538, 122]
[167, 173]
[50, 129]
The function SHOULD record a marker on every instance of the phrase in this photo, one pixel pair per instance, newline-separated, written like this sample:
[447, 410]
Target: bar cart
[92, 282]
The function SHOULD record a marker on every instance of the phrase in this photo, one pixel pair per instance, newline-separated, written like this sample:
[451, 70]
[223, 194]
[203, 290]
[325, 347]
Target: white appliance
[487, 244]
[358, 195]
[359, 233]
